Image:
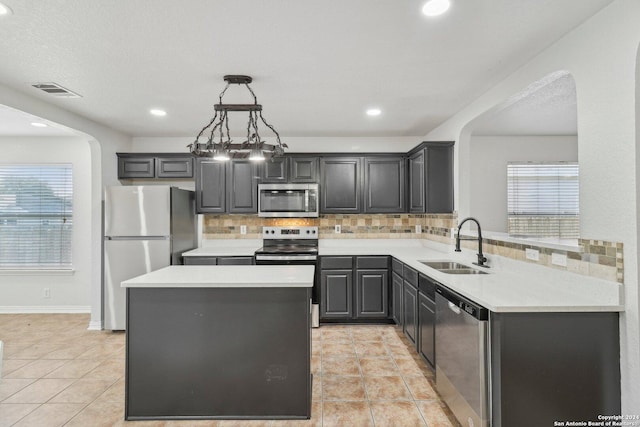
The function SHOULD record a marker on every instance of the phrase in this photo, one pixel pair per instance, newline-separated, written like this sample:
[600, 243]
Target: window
[36, 216]
[542, 200]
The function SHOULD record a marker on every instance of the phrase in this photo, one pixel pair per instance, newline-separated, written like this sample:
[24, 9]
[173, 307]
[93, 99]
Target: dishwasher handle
[461, 304]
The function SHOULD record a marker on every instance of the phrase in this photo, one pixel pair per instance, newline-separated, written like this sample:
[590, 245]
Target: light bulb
[435, 7]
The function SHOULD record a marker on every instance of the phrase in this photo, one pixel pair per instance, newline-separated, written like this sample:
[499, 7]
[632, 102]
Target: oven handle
[286, 258]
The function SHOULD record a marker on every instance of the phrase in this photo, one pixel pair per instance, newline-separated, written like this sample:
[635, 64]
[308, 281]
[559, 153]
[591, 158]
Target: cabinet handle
[454, 308]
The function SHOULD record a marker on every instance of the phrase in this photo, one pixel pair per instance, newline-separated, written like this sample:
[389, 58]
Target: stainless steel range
[291, 246]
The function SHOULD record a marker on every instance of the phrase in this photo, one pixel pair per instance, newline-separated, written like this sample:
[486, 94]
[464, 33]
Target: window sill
[38, 272]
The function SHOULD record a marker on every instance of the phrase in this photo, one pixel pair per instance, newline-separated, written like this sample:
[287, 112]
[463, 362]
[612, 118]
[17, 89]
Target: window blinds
[36, 216]
[543, 199]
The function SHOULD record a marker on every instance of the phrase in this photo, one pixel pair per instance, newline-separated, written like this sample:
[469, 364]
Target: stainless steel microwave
[288, 200]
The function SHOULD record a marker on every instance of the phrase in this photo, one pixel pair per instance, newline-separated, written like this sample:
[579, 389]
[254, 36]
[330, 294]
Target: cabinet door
[242, 185]
[427, 328]
[396, 295]
[439, 182]
[174, 167]
[303, 169]
[340, 187]
[384, 180]
[336, 290]
[199, 260]
[417, 182]
[371, 293]
[410, 311]
[275, 171]
[235, 260]
[136, 167]
[210, 186]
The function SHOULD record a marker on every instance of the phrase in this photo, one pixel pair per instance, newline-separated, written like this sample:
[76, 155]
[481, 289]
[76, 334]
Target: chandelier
[219, 144]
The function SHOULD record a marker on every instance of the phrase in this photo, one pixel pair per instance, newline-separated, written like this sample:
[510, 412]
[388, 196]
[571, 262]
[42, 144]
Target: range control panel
[289, 232]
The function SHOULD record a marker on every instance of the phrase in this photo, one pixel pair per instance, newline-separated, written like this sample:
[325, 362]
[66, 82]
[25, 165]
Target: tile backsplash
[595, 258]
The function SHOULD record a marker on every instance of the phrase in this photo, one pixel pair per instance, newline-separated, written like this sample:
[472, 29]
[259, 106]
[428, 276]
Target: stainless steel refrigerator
[145, 228]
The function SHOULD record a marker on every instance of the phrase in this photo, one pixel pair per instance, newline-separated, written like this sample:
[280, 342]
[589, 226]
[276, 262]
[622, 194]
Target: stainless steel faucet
[481, 258]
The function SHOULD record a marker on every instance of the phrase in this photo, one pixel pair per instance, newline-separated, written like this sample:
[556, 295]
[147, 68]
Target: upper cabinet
[159, 165]
[384, 184]
[431, 178]
[226, 187]
[290, 169]
[340, 186]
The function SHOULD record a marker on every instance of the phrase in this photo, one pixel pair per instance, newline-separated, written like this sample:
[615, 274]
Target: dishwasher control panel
[463, 304]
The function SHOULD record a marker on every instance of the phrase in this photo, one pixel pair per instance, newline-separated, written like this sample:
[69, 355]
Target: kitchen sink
[451, 267]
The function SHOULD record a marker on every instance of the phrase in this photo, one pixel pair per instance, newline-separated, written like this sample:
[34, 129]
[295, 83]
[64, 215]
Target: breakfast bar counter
[219, 342]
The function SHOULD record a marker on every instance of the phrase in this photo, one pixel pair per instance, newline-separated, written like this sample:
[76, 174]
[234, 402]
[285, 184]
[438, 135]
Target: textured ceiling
[316, 65]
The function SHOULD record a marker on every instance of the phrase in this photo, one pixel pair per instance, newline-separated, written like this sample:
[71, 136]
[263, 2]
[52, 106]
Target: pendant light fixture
[219, 144]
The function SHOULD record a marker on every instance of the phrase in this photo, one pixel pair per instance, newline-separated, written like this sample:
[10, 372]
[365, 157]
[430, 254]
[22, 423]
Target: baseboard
[95, 325]
[41, 309]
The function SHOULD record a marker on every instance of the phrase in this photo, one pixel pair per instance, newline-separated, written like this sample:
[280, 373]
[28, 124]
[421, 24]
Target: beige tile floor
[57, 373]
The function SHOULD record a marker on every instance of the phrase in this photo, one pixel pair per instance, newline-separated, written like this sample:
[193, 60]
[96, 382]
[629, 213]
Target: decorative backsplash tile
[596, 258]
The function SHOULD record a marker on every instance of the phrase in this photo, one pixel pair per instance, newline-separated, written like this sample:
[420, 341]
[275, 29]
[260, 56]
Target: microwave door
[284, 201]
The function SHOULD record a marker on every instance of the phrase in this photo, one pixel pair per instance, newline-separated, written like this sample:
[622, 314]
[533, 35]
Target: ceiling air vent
[56, 90]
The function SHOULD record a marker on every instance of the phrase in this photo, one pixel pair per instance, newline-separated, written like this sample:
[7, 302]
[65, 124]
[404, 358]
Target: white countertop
[509, 286]
[223, 276]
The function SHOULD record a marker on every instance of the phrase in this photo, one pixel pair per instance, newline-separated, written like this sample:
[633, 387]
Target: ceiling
[317, 66]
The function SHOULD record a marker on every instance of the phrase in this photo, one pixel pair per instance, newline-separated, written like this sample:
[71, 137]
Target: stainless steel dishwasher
[462, 370]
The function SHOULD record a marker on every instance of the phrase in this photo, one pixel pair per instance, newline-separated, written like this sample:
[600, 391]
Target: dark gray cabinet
[303, 169]
[410, 311]
[340, 188]
[354, 287]
[336, 290]
[221, 260]
[384, 184]
[275, 171]
[396, 298]
[427, 328]
[226, 187]
[431, 178]
[152, 165]
[242, 186]
[136, 167]
[211, 186]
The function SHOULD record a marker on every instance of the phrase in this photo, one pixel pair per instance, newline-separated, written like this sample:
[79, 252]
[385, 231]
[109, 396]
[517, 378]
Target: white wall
[601, 54]
[69, 292]
[490, 155]
[104, 142]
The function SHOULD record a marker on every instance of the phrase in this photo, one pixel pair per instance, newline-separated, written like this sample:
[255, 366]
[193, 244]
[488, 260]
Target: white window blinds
[36, 216]
[542, 200]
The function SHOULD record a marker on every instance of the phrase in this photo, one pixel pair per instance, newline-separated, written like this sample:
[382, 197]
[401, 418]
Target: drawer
[427, 286]
[396, 266]
[199, 260]
[363, 262]
[336, 262]
[235, 260]
[410, 275]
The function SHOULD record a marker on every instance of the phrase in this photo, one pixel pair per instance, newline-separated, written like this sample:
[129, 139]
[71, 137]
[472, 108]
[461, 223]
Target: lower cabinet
[410, 311]
[427, 328]
[396, 298]
[354, 287]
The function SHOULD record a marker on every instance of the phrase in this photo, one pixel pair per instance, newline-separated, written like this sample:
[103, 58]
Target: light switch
[243, 229]
[338, 229]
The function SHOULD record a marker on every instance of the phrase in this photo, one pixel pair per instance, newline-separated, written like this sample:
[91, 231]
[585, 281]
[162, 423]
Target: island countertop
[246, 276]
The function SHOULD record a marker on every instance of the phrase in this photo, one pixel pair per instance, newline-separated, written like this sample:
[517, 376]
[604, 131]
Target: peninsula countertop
[508, 286]
[219, 276]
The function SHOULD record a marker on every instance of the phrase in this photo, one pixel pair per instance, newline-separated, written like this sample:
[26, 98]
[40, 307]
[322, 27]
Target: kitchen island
[219, 342]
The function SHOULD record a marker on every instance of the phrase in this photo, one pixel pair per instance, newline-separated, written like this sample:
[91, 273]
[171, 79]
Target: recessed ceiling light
[374, 112]
[157, 112]
[39, 125]
[435, 7]
[4, 10]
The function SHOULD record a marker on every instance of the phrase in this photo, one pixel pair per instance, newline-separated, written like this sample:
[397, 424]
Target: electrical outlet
[559, 259]
[46, 293]
[338, 229]
[243, 229]
[532, 254]
[418, 228]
